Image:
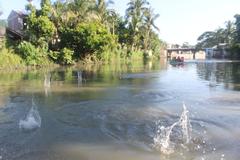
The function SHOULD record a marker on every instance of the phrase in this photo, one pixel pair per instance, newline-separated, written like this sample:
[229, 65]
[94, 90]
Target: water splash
[32, 120]
[162, 139]
[184, 122]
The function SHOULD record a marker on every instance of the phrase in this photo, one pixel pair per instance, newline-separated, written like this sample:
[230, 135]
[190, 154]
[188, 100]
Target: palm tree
[112, 18]
[220, 36]
[101, 10]
[79, 10]
[229, 32]
[237, 23]
[149, 23]
[59, 12]
[134, 15]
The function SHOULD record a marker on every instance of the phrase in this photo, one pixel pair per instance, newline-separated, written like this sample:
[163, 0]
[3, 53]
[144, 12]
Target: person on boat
[178, 59]
[182, 59]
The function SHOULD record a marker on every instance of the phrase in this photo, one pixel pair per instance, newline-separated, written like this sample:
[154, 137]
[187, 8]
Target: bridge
[187, 53]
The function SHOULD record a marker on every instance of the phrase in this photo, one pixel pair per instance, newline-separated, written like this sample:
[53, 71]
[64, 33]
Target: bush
[54, 55]
[10, 60]
[87, 39]
[31, 54]
[66, 56]
[135, 55]
[40, 27]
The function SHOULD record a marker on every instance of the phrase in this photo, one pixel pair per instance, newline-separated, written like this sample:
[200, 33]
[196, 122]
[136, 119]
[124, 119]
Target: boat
[177, 61]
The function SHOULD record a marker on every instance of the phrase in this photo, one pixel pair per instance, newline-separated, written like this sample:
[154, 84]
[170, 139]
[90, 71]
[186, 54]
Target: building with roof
[16, 24]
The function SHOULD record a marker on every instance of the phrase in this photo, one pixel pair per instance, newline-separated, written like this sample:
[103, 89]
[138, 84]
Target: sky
[180, 20]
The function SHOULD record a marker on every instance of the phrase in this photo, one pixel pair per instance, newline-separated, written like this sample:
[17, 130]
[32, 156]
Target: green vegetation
[66, 32]
[229, 35]
[221, 35]
[32, 55]
[10, 60]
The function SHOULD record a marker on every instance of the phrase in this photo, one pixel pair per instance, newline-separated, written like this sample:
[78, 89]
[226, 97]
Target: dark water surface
[123, 112]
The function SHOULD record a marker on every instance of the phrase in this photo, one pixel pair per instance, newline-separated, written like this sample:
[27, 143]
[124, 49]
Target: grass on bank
[9, 60]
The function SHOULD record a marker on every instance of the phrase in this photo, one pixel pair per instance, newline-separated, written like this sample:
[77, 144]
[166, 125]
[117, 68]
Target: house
[218, 51]
[16, 24]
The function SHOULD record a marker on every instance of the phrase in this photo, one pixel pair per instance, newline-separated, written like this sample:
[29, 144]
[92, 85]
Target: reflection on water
[47, 83]
[122, 111]
[226, 73]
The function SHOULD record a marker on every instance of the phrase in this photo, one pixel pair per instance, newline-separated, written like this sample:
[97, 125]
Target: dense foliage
[10, 60]
[229, 35]
[87, 38]
[67, 31]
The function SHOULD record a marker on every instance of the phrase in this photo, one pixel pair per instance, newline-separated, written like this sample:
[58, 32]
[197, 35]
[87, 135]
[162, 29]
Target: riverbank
[11, 61]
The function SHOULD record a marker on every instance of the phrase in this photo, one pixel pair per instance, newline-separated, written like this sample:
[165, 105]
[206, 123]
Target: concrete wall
[200, 55]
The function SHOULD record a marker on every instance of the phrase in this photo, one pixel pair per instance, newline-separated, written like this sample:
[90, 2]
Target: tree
[40, 25]
[207, 40]
[122, 31]
[235, 46]
[135, 15]
[58, 12]
[68, 29]
[229, 32]
[79, 11]
[221, 35]
[111, 20]
[237, 23]
[87, 39]
[46, 7]
[149, 23]
[102, 11]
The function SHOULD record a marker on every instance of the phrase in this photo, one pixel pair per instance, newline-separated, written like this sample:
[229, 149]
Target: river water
[138, 111]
